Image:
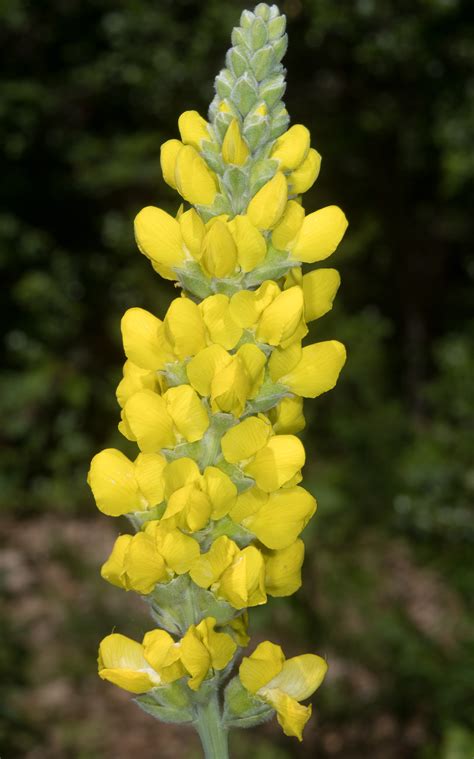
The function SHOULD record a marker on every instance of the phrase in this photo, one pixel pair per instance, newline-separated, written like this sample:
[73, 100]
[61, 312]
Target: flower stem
[208, 723]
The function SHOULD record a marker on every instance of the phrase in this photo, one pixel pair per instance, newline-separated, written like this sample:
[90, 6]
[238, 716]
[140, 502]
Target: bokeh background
[90, 90]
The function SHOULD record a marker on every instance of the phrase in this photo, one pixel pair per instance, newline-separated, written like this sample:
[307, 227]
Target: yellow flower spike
[187, 412]
[277, 462]
[288, 227]
[230, 388]
[282, 517]
[219, 251]
[292, 147]
[220, 324]
[254, 361]
[188, 508]
[209, 567]
[268, 204]
[205, 365]
[112, 570]
[195, 182]
[144, 566]
[281, 318]
[221, 491]
[287, 416]
[319, 289]
[320, 234]
[193, 231]
[134, 379]
[193, 129]
[121, 661]
[163, 654]
[261, 666]
[245, 439]
[317, 370]
[140, 338]
[302, 178]
[159, 238]
[234, 148]
[242, 584]
[149, 420]
[179, 473]
[283, 569]
[184, 327]
[113, 483]
[251, 245]
[149, 468]
[168, 156]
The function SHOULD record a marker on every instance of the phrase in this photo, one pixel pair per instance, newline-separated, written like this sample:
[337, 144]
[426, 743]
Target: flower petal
[245, 439]
[268, 204]
[300, 676]
[280, 520]
[276, 463]
[319, 289]
[158, 237]
[320, 234]
[140, 338]
[318, 369]
[113, 483]
[121, 661]
[302, 178]
[261, 666]
[187, 412]
[148, 417]
[283, 570]
[292, 147]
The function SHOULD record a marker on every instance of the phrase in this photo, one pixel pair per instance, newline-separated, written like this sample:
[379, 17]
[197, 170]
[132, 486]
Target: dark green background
[90, 90]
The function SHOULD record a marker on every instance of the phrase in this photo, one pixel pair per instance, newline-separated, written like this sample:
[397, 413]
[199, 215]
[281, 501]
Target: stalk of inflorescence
[212, 395]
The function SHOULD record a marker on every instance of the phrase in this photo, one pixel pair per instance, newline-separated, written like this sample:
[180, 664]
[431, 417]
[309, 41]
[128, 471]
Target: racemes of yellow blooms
[212, 396]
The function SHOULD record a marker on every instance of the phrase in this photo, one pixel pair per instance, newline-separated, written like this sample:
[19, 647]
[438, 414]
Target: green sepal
[276, 264]
[269, 395]
[226, 526]
[175, 374]
[262, 62]
[140, 518]
[192, 279]
[179, 603]
[242, 709]
[258, 33]
[237, 61]
[262, 171]
[245, 92]
[240, 480]
[169, 703]
[235, 182]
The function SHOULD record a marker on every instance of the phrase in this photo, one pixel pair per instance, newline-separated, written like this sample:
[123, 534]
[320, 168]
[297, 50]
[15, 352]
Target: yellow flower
[234, 148]
[202, 649]
[283, 683]
[134, 379]
[303, 177]
[168, 155]
[193, 129]
[277, 518]
[142, 339]
[319, 290]
[287, 416]
[121, 486]
[319, 235]
[163, 654]
[159, 238]
[281, 319]
[219, 251]
[236, 575]
[283, 569]
[267, 205]
[251, 245]
[122, 662]
[195, 181]
[292, 147]
[317, 370]
[141, 561]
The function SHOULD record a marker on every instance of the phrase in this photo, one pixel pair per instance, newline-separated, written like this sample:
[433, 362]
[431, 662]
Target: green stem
[213, 735]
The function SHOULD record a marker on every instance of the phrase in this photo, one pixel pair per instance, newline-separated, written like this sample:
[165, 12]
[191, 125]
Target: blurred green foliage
[90, 90]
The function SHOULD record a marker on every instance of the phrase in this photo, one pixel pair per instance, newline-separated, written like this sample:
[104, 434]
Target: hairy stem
[208, 723]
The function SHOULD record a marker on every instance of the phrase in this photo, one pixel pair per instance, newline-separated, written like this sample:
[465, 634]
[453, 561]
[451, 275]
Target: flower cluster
[213, 397]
